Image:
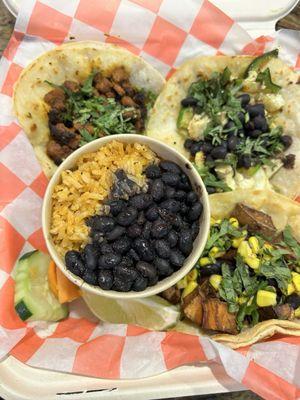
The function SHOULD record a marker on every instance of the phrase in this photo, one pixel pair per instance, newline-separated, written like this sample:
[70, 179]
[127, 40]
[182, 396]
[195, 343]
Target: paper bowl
[163, 151]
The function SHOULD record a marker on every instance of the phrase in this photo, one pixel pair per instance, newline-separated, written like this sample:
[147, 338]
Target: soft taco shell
[162, 123]
[283, 211]
[72, 61]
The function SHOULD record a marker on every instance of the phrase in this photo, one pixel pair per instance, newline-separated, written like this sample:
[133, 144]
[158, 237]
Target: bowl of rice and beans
[125, 216]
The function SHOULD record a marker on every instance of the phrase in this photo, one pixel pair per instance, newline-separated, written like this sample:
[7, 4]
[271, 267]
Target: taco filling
[102, 105]
[228, 126]
[247, 273]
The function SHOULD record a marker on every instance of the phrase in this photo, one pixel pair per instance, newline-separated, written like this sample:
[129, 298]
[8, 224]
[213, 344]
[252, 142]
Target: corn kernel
[252, 261]
[212, 221]
[215, 281]
[204, 261]
[267, 246]
[189, 289]
[242, 300]
[237, 241]
[290, 289]
[265, 298]
[215, 252]
[296, 280]
[182, 284]
[192, 275]
[234, 222]
[254, 244]
[244, 249]
[297, 312]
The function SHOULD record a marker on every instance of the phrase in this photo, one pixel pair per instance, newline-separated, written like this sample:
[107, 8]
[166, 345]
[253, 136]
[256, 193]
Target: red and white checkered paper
[164, 32]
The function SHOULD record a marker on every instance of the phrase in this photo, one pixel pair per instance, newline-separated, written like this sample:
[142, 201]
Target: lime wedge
[151, 312]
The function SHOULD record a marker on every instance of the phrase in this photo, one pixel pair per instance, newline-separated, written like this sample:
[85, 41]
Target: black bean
[241, 116]
[146, 230]
[90, 277]
[180, 195]
[153, 172]
[140, 201]
[195, 211]
[97, 237]
[147, 271]
[195, 229]
[170, 205]
[211, 190]
[188, 143]
[134, 255]
[172, 238]
[170, 178]
[163, 266]
[191, 197]
[152, 213]
[244, 161]
[260, 123]
[195, 147]
[241, 132]
[126, 261]
[126, 273]
[159, 229]
[122, 245]
[177, 258]
[117, 232]
[245, 99]
[177, 222]
[254, 134]
[109, 260]
[74, 262]
[141, 219]
[189, 101]
[90, 256]
[209, 159]
[286, 140]
[184, 183]
[229, 126]
[207, 147]
[121, 285]
[105, 279]
[144, 249]
[249, 126]
[157, 189]
[116, 206]
[219, 152]
[162, 248]
[211, 269]
[140, 283]
[134, 231]
[184, 208]
[255, 110]
[294, 300]
[127, 216]
[170, 166]
[105, 248]
[185, 242]
[232, 142]
[101, 223]
[170, 192]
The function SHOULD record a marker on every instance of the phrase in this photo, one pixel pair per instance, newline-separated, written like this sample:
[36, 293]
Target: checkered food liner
[163, 32]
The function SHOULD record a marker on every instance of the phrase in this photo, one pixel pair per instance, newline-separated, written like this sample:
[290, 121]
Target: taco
[79, 92]
[246, 285]
[237, 118]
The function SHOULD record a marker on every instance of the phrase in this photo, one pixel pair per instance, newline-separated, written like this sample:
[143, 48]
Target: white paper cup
[162, 151]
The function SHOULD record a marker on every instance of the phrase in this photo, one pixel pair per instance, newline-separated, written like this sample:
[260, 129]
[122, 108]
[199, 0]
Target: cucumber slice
[34, 300]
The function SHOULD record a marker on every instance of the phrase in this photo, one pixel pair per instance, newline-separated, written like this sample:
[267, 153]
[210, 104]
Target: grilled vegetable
[260, 61]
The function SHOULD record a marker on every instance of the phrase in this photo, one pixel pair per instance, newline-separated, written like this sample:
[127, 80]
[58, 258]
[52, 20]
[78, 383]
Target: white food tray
[20, 382]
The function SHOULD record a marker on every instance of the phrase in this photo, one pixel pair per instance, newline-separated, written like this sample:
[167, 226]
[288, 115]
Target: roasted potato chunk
[172, 294]
[216, 316]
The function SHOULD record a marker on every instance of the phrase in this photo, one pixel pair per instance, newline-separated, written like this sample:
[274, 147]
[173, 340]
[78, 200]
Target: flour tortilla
[283, 211]
[162, 123]
[72, 61]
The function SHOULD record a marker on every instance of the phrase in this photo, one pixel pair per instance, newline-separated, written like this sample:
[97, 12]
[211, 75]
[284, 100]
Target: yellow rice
[81, 191]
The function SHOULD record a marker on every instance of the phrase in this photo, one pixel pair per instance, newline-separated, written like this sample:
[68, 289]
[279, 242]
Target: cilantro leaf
[277, 271]
[290, 241]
